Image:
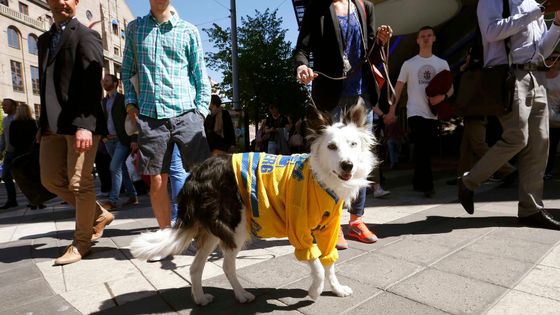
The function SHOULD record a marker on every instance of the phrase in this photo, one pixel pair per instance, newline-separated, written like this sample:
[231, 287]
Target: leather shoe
[9, 204]
[109, 205]
[101, 222]
[541, 219]
[465, 196]
[130, 202]
[71, 255]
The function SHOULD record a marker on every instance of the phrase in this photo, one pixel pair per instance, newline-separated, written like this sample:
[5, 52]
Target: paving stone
[415, 252]
[21, 293]
[510, 248]
[275, 273]
[454, 234]
[327, 302]
[51, 305]
[14, 254]
[21, 274]
[448, 292]
[520, 303]
[543, 236]
[376, 269]
[543, 281]
[553, 258]
[131, 288]
[149, 305]
[388, 304]
[488, 268]
[89, 299]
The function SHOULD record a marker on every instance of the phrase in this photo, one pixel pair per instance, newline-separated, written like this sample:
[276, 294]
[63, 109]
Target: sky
[203, 13]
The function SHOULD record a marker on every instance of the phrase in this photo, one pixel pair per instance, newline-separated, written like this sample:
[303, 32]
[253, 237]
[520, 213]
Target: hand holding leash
[384, 33]
[305, 74]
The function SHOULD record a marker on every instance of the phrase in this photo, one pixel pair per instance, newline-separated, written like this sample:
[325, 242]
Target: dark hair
[216, 100]
[11, 101]
[114, 78]
[426, 27]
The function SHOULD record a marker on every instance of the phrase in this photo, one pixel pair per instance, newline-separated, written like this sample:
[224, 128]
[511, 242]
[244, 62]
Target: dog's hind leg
[338, 289]
[230, 255]
[318, 276]
[206, 243]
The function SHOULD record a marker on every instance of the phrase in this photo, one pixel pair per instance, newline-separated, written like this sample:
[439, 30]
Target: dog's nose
[346, 166]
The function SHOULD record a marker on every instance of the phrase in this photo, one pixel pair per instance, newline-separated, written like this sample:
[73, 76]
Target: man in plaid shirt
[173, 92]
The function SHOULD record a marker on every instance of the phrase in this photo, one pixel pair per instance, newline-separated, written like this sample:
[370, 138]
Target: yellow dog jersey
[283, 199]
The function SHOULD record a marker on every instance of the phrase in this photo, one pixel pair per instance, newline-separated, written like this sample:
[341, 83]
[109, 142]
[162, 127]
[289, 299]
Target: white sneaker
[380, 193]
[157, 258]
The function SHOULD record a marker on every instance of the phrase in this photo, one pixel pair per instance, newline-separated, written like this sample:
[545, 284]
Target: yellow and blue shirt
[283, 199]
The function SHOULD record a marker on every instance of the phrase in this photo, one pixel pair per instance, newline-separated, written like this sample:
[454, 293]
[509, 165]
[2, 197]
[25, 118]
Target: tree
[266, 70]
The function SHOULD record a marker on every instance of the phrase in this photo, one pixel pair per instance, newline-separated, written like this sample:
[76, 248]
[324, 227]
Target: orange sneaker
[360, 232]
[341, 243]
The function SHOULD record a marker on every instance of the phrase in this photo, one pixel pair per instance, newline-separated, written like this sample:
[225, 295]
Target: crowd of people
[168, 120]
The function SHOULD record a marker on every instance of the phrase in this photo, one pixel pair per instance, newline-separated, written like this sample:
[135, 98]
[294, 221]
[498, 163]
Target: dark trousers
[423, 133]
[7, 177]
[554, 138]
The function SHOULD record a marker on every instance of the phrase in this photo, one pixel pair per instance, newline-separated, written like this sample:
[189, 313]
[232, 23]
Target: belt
[530, 67]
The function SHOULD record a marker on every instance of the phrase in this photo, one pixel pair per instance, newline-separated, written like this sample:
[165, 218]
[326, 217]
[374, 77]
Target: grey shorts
[157, 136]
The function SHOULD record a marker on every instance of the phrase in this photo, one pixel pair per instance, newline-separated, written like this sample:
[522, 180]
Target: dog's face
[341, 150]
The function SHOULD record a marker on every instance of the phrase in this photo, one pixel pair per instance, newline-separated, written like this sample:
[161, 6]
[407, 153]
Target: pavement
[432, 258]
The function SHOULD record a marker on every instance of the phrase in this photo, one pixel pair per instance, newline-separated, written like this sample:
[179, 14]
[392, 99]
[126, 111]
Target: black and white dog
[224, 200]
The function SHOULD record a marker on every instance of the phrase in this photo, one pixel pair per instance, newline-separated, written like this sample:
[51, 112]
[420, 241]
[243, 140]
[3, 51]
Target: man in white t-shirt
[416, 73]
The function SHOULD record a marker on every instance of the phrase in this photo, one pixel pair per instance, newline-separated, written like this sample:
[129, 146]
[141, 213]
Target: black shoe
[9, 204]
[465, 196]
[541, 219]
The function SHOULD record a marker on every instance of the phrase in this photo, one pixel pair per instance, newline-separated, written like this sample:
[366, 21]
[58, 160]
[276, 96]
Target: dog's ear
[317, 121]
[356, 114]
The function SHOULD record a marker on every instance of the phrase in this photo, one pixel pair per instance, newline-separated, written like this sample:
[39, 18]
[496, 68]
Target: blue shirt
[354, 84]
[531, 42]
[169, 61]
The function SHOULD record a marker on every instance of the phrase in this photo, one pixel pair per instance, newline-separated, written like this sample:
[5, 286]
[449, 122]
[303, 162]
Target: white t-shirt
[417, 72]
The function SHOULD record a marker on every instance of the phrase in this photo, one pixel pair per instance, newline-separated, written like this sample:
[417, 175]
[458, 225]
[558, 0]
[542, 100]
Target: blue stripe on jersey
[254, 181]
[245, 169]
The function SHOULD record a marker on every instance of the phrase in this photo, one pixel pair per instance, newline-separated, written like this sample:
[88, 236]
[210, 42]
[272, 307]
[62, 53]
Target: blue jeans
[177, 177]
[119, 172]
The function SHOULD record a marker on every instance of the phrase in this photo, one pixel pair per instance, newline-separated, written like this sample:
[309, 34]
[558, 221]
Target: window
[115, 25]
[4, 2]
[89, 15]
[37, 111]
[23, 8]
[32, 44]
[35, 79]
[13, 37]
[17, 76]
[116, 51]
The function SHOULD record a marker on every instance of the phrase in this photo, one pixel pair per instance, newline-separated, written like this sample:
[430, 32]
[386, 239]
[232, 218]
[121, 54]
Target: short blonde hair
[23, 112]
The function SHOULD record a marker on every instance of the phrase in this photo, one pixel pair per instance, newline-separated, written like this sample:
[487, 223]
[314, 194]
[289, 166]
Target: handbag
[488, 91]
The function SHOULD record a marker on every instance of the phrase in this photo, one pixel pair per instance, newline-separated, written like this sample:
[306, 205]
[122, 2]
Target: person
[118, 143]
[416, 73]
[71, 121]
[525, 127]
[170, 105]
[7, 150]
[23, 131]
[275, 129]
[552, 85]
[177, 177]
[394, 136]
[219, 127]
[343, 57]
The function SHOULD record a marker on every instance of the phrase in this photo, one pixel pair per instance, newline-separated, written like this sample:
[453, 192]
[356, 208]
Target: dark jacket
[78, 63]
[22, 135]
[118, 113]
[320, 34]
[215, 141]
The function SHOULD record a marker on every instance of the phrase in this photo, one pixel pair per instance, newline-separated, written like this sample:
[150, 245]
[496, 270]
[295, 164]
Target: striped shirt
[169, 61]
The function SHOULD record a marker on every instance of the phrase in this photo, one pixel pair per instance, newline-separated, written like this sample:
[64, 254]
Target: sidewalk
[432, 258]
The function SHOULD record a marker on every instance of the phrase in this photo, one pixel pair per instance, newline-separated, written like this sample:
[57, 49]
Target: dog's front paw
[244, 296]
[315, 290]
[342, 290]
[204, 299]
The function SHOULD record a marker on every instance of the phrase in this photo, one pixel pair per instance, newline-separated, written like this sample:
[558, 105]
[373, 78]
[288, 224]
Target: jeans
[119, 171]
[177, 177]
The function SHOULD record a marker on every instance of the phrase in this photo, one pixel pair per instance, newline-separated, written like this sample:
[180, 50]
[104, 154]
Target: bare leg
[338, 289]
[159, 198]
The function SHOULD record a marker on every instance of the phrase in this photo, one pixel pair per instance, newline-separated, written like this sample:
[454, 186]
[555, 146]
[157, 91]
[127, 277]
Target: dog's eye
[353, 144]
[332, 146]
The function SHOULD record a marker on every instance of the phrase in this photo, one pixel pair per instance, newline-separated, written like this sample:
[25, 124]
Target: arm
[495, 28]
[129, 65]
[390, 117]
[197, 68]
[304, 45]
[551, 36]
[326, 238]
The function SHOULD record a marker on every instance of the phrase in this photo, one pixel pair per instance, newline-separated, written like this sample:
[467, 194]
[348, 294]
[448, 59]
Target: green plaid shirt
[169, 61]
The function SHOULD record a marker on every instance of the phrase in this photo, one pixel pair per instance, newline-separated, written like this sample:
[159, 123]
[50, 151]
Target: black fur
[210, 197]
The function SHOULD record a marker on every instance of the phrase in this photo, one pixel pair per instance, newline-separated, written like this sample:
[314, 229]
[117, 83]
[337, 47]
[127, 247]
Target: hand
[384, 33]
[84, 140]
[389, 118]
[305, 74]
[134, 147]
[434, 100]
[132, 112]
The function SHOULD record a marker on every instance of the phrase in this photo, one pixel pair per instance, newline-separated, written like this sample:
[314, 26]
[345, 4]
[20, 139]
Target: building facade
[23, 21]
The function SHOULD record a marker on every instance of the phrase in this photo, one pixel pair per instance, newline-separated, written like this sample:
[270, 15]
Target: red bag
[440, 84]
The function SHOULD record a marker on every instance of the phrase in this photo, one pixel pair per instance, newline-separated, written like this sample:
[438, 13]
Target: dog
[298, 196]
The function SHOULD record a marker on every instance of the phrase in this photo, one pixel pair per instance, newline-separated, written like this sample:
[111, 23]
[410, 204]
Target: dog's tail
[161, 243]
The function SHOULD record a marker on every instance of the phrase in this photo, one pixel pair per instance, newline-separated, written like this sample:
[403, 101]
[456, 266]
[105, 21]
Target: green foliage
[266, 69]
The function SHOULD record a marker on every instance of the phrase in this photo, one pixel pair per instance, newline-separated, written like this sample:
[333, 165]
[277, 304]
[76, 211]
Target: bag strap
[505, 14]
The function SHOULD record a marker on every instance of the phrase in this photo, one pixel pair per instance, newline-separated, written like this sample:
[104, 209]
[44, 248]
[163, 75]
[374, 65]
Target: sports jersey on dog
[284, 199]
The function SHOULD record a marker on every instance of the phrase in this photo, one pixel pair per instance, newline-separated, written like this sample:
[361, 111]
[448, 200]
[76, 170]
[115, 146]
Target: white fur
[333, 145]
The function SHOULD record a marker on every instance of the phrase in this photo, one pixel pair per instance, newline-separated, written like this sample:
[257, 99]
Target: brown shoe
[130, 202]
[71, 255]
[103, 220]
[109, 205]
